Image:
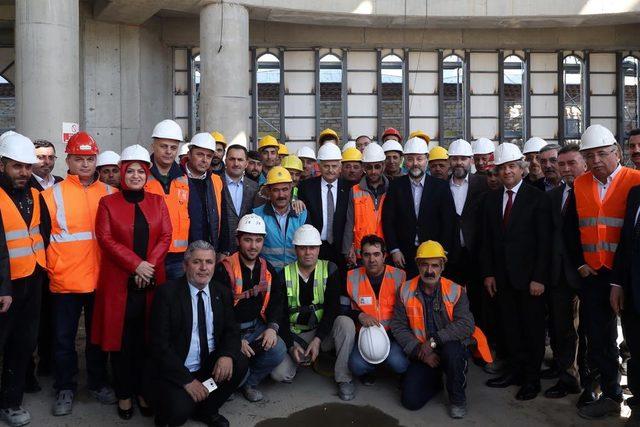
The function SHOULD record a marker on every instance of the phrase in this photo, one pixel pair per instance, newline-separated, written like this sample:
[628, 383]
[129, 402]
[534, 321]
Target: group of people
[203, 268]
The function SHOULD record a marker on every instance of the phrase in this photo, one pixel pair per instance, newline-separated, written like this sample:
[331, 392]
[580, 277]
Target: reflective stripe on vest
[234, 270]
[64, 235]
[364, 298]
[321, 274]
[367, 219]
[177, 204]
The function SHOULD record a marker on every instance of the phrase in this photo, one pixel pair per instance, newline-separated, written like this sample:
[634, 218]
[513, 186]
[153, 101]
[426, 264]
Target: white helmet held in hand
[373, 344]
[251, 224]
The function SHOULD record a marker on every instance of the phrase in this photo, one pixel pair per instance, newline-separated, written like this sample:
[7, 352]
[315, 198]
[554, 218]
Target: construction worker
[205, 191]
[280, 218]
[548, 159]
[268, 148]
[439, 163]
[168, 180]
[391, 134]
[24, 224]
[217, 162]
[294, 165]
[73, 259]
[361, 142]
[364, 212]
[372, 289]
[531, 151]
[311, 317]
[254, 166]
[394, 156]
[493, 179]
[257, 302]
[634, 147]
[328, 135]
[283, 151]
[309, 162]
[42, 178]
[420, 134]
[108, 169]
[432, 323]
[601, 198]
[483, 149]
[182, 153]
[352, 165]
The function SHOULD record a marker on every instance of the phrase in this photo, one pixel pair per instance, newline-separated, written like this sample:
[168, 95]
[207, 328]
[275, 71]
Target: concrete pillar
[47, 68]
[224, 78]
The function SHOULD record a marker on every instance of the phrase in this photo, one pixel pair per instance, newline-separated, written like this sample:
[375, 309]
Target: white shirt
[604, 186]
[505, 196]
[236, 190]
[45, 183]
[192, 175]
[192, 363]
[459, 193]
[416, 191]
[565, 195]
[323, 191]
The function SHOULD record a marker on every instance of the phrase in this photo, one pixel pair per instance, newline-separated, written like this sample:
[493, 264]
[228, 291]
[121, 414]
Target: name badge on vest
[365, 301]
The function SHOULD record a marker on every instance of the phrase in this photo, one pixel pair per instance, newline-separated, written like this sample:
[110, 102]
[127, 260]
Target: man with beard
[108, 168]
[418, 207]
[439, 163]
[41, 177]
[309, 162]
[531, 151]
[217, 164]
[254, 166]
[483, 149]
[634, 147]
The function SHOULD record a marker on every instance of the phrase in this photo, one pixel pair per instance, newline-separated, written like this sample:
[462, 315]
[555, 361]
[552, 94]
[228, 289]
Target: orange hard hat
[391, 131]
[82, 144]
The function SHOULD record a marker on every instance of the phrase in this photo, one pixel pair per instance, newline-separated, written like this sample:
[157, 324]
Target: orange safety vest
[25, 244]
[366, 218]
[364, 298]
[177, 201]
[234, 270]
[217, 188]
[73, 255]
[450, 295]
[601, 221]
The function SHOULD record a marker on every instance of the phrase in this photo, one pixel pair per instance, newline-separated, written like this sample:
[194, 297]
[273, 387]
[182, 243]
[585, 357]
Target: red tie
[507, 209]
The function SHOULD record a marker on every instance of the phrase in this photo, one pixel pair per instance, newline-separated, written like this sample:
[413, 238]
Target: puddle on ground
[334, 415]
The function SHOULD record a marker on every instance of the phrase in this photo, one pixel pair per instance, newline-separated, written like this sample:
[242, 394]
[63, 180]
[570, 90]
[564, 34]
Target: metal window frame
[345, 93]
[524, 90]
[440, 96]
[466, 88]
[406, 114]
[586, 92]
[561, 95]
[378, 94]
[501, 118]
[283, 133]
[254, 99]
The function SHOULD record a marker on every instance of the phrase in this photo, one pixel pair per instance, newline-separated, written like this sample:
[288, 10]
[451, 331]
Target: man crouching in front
[194, 339]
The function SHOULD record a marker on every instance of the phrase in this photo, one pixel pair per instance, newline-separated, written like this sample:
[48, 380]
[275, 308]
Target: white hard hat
[252, 224]
[19, 148]
[306, 153]
[596, 136]
[184, 149]
[533, 145]
[349, 144]
[392, 145]
[507, 152]
[168, 129]
[307, 235]
[107, 158]
[7, 133]
[373, 153]
[416, 145]
[483, 146]
[135, 152]
[373, 344]
[329, 151]
[460, 147]
[203, 140]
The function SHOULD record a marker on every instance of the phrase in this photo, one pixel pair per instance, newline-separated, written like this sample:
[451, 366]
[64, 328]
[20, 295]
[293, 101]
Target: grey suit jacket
[230, 217]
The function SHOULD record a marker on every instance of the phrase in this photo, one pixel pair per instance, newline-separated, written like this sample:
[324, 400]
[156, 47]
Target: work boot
[63, 404]
[346, 390]
[603, 407]
[104, 395]
[16, 416]
[252, 394]
[458, 411]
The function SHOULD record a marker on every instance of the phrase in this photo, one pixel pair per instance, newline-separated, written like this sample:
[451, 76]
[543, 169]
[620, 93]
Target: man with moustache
[108, 169]
[254, 166]
[439, 166]
[268, 148]
[548, 158]
[634, 147]
[483, 155]
[394, 156]
[531, 151]
[217, 164]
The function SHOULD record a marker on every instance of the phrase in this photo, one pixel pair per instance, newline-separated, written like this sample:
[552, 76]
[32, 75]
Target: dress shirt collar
[610, 178]
[325, 183]
[515, 188]
[45, 183]
[192, 175]
[453, 184]
[420, 183]
[194, 290]
[230, 180]
[275, 212]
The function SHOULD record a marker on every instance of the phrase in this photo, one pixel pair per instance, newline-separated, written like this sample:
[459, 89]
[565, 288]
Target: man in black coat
[194, 338]
[417, 208]
[515, 264]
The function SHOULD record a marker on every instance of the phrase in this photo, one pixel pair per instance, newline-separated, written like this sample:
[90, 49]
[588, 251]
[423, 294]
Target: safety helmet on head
[283, 150]
[306, 153]
[329, 151]
[8, 133]
[438, 153]
[307, 235]
[373, 153]
[420, 134]
[596, 136]
[184, 149]
[82, 144]
[507, 152]
[107, 158]
[347, 145]
[168, 129]
[374, 344]
[483, 146]
[416, 145]
[268, 141]
[135, 152]
[203, 140]
[251, 224]
[391, 132]
[278, 175]
[392, 145]
[328, 132]
[292, 162]
[431, 249]
[533, 145]
[219, 137]
[19, 148]
[351, 155]
[460, 147]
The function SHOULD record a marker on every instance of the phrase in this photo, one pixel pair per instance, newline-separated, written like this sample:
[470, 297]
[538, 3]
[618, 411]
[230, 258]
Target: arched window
[573, 92]
[513, 106]
[268, 80]
[7, 105]
[330, 115]
[453, 99]
[631, 115]
[391, 78]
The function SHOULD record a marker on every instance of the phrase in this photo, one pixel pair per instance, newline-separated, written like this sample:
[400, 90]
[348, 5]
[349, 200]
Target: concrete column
[47, 68]
[224, 78]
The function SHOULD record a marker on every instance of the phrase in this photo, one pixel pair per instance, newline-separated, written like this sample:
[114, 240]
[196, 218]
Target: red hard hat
[391, 131]
[82, 144]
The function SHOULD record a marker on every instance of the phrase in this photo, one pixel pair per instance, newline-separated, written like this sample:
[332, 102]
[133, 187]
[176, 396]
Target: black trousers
[631, 329]
[18, 336]
[45, 335]
[522, 317]
[128, 363]
[563, 325]
[174, 406]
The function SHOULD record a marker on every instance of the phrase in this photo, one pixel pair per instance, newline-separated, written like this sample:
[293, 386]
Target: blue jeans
[174, 269]
[396, 361]
[264, 362]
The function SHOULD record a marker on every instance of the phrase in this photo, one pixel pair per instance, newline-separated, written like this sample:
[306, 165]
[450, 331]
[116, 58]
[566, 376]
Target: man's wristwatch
[432, 343]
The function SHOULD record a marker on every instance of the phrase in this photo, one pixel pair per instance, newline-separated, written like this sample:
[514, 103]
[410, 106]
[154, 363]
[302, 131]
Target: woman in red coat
[133, 230]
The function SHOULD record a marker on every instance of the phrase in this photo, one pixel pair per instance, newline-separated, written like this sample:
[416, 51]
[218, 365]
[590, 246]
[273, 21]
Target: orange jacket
[73, 255]
[450, 295]
[234, 270]
[25, 244]
[601, 221]
[217, 188]
[178, 205]
[366, 218]
[364, 298]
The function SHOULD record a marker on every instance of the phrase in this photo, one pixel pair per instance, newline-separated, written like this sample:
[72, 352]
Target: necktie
[202, 330]
[566, 202]
[507, 208]
[330, 212]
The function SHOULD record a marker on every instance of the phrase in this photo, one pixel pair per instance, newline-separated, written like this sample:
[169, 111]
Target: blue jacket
[277, 250]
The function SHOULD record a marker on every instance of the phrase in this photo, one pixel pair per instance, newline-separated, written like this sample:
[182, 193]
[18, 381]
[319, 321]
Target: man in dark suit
[41, 177]
[418, 208]
[515, 264]
[194, 338]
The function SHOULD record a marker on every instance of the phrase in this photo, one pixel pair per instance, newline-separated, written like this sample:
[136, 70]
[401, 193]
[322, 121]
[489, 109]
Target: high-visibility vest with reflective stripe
[234, 270]
[366, 218]
[365, 299]
[291, 278]
[601, 221]
[177, 202]
[217, 189]
[73, 255]
[450, 295]
[25, 244]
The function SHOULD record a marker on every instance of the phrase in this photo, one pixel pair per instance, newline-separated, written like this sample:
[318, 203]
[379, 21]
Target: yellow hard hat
[431, 249]
[351, 155]
[268, 141]
[329, 132]
[438, 153]
[283, 150]
[292, 162]
[420, 134]
[219, 137]
[278, 175]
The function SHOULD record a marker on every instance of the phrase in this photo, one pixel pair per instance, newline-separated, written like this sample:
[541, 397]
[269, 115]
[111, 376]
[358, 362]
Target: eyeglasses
[600, 154]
